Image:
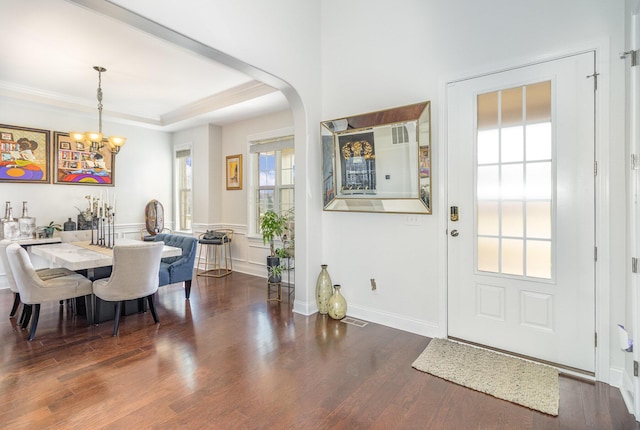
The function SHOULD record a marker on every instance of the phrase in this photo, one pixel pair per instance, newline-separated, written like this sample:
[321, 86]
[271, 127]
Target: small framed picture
[65, 145]
[6, 136]
[234, 172]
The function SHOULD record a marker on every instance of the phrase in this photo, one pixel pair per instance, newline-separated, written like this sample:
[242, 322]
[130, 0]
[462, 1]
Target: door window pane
[539, 180]
[515, 181]
[539, 102]
[488, 111]
[489, 218]
[512, 144]
[488, 147]
[512, 181]
[488, 182]
[512, 256]
[539, 141]
[512, 222]
[539, 220]
[488, 254]
[539, 259]
[511, 106]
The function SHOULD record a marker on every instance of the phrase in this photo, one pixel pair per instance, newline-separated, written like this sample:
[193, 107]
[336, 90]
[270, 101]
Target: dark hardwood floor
[228, 359]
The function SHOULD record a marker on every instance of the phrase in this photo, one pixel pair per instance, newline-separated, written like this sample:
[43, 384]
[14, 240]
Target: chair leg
[88, 304]
[23, 314]
[27, 316]
[16, 303]
[34, 323]
[187, 289]
[96, 309]
[152, 307]
[116, 322]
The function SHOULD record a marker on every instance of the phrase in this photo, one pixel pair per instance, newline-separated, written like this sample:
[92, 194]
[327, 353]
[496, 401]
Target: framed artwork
[74, 164]
[24, 154]
[234, 172]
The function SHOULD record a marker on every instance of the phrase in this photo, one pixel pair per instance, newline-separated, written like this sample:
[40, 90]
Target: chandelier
[97, 140]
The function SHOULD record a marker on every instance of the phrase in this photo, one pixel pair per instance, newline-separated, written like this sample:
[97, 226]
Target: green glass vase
[337, 304]
[323, 290]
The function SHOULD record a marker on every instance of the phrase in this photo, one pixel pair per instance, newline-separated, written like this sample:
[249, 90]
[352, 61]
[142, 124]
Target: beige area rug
[513, 379]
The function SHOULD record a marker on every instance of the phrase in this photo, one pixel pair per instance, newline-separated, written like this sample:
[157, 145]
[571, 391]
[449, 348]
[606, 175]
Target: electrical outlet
[373, 284]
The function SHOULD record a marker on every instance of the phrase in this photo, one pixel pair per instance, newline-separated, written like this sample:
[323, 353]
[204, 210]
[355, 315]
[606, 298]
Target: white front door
[521, 263]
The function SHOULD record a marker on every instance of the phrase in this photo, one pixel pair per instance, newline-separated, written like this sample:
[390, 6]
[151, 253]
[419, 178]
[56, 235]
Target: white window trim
[252, 179]
[176, 197]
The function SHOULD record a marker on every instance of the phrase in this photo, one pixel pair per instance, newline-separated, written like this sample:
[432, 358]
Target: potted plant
[275, 273]
[49, 229]
[272, 226]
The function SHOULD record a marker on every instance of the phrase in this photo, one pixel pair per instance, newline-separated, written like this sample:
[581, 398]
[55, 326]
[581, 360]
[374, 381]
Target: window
[273, 171]
[515, 181]
[183, 186]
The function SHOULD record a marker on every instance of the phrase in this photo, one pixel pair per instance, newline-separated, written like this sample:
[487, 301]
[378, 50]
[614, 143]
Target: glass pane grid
[514, 183]
[275, 182]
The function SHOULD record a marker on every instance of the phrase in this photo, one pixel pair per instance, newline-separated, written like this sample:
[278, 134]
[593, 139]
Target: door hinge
[595, 80]
[634, 265]
[633, 54]
[634, 162]
[635, 368]
[595, 253]
[595, 168]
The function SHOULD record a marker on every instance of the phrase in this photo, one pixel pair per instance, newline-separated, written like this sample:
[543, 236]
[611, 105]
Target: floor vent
[353, 321]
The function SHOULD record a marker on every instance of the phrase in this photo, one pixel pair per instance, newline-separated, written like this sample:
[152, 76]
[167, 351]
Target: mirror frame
[364, 126]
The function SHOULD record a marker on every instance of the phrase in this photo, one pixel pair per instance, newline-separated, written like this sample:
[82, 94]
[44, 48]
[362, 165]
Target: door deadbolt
[453, 213]
[454, 233]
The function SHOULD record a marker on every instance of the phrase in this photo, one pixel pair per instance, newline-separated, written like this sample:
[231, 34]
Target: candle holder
[105, 232]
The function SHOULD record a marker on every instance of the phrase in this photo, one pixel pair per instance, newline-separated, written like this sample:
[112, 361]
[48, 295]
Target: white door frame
[602, 295]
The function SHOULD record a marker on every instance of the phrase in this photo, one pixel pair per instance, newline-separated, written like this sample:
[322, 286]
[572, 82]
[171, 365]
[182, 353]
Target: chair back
[135, 272]
[75, 235]
[27, 280]
[5, 263]
[188, 244]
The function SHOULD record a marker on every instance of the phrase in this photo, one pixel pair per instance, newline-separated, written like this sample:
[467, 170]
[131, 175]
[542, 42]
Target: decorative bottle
[10, 226]
[69, 225]
[323, 290]
[337, 304]
[26, 223]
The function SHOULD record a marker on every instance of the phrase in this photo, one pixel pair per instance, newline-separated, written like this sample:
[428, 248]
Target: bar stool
[218, 243]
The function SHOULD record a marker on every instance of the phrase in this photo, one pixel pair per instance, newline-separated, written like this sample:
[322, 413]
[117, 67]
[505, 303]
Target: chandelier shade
[96, 140]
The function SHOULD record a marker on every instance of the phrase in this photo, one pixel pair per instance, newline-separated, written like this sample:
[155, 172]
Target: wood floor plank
[229, 359]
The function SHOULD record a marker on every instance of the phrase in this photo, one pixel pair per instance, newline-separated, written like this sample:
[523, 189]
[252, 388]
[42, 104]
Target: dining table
[78, 256]
[86, 256]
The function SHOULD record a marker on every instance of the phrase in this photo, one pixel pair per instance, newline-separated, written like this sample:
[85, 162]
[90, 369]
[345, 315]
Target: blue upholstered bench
[178, 269]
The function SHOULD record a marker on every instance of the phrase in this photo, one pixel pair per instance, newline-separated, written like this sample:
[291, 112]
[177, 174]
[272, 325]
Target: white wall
[378, 54]
[143, 168]
[214, 205]
[277, 42]
[205, 143]
[143, 171]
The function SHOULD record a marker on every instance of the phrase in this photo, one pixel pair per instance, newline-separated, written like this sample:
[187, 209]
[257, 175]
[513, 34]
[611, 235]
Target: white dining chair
[35, 291]
[76, 235]
[42, 274]
[134, 276]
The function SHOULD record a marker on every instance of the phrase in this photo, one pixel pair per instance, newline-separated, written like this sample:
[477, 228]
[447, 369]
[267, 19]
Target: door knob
[454, 233]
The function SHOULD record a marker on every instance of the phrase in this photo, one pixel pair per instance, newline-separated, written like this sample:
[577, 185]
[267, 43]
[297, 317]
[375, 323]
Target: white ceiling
[48, 49]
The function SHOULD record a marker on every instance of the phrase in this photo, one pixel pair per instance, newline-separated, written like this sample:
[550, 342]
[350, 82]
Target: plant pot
[273, 262]
[48, 232]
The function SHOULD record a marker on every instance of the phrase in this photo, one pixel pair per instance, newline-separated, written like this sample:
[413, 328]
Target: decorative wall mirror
[378, 161]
